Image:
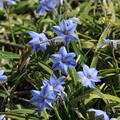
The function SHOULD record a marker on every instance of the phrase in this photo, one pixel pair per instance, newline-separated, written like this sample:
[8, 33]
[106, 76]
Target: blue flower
[38, 42]
[55, 84]
[43, 98]
[66, 30]
[99, 113]
[63, 60]
[88, 76]
[2, 77]
[108, 42]
[45, 5]
[1, 117]
[7, 2]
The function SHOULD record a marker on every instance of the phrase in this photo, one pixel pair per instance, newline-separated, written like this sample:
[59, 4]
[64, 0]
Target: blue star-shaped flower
[45, 5]
[88, 76]
[99, 113]
[1, 117]
[55, 84]
[7, 2]
[63, 60]
[66, 30]
[38, 42]
[43, 98]
[2, 77]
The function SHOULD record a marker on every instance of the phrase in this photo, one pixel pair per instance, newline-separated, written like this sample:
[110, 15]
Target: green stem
[57, 113]
[11, 30]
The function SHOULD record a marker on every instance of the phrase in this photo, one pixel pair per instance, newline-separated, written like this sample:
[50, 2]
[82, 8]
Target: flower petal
[53, 79]
[33, 34]
[1, 117]
[56, 57]
[86, 70]
[56, 66]
[63, 51]
[63, 68]
[80, 74]
[2, 78]
[34, 41]
[57, 30]
[69, 56]
[40, 11]
[1, 72]
[73, 36]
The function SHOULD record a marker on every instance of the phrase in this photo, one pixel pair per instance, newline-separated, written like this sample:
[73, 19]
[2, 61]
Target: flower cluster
[48, 94]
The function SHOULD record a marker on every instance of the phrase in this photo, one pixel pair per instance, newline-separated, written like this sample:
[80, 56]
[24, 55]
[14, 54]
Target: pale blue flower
[99, 113]
[38, 42]
[88, 76]
[45, 5]
[108, 42]
[63, 60]
[66, 30]
[43, 98]
[2, 77]
[55, 84]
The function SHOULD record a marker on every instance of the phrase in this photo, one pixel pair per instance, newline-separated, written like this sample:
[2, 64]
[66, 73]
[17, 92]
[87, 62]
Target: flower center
[54, 86]
[89, 77]
[40, 40]
[44, 4]
[65, 32]
[63, 60]
[42, 98]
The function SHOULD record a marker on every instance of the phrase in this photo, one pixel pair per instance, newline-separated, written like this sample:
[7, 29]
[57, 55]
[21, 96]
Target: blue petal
[63, 25]
[61, 80]
[35, 92]
[80, 74]
[93, 72]
[41, 106]
[67, 40]
[87, 82]
[71, 28]
[53, 79]
[36, 48]
[2, 78]
[63, 68]
[33, 34]
[56, 66]
[1, 117]
[73, 37]
[71, 63]
[56, 57]
[1, 4]
[95, 79]
[43, 47]
[48, 105]
[40, 11]
[59, 88]
[45, 82]
[34, 41]
[1, 72]
[69, 56]
[63, 51]
[57, 30]
[86, 70]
